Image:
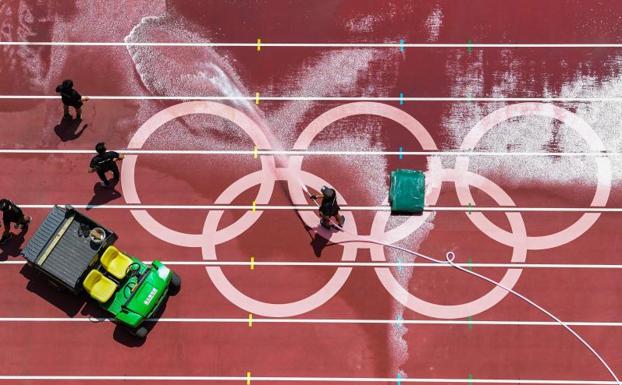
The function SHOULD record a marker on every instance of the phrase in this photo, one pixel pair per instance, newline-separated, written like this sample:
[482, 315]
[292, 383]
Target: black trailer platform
[62, 248]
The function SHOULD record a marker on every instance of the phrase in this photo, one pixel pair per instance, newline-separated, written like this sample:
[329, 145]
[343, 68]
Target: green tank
[407, 192]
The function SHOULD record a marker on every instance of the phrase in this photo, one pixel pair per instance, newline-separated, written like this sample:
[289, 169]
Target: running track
[203, 335]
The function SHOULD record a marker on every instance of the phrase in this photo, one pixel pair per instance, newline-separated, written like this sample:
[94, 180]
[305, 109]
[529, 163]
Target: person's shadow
[103, 195]
[321, 238]
[13, 247]
[68, 130]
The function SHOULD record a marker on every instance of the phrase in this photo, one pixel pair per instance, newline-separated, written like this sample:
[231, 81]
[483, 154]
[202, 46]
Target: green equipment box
[407, 191]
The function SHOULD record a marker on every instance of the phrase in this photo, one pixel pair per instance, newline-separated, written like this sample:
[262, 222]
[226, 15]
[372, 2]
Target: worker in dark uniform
[103, 162]
[12, 214]
[70, 98]
[329, 207]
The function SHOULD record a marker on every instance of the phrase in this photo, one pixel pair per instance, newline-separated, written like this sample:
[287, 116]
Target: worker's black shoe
[325, 223]
[341, 220]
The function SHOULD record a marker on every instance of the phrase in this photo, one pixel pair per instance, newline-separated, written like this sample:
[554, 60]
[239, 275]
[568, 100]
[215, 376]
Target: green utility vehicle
[76, 253]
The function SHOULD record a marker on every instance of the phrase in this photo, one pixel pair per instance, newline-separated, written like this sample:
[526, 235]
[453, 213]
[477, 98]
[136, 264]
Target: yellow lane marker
[256, 97]
[250, 320]
[258, 44]
[255, 152]
[252, 263]
[254, 206]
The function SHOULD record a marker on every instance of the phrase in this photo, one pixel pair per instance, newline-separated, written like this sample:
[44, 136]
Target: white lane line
[318, 321]
[396, 45]
[330, 98]
[374, 264]
[343, 208]
[306, 379]
[312, 152]
[346, 321]
[393, 264]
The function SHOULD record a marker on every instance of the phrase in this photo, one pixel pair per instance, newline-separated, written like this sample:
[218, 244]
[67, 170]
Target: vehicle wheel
[175, 284]
[140, 332]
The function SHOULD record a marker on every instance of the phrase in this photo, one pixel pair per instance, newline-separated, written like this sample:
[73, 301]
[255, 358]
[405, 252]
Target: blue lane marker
[399, 319]
[399, 263]
[398, 379]
[402, 45]
[401, 98]
[401, 153]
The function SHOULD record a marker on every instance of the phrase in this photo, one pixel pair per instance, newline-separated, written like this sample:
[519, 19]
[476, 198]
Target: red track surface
[306, 350]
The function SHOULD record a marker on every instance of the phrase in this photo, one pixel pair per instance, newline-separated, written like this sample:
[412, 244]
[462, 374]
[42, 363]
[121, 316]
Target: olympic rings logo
[463, 179]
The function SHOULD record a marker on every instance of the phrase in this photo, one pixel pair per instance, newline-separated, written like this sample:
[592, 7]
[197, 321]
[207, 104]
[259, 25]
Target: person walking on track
[329, 207]
[105, 161]
[70, 98]
[11, 213]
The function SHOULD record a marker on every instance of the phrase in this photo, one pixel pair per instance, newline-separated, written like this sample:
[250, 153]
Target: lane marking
[312, 45]
[401, 98]
[248, 378]
[302, 379]
[375, 264]
[252, 263]
[344, 208]
[255, 152]
[250, 320]
[336, 321]
[402, 45]
[257, 98]
[330, 98]
[314, 152]
[258, 44]
[469, 46]
[401, 153]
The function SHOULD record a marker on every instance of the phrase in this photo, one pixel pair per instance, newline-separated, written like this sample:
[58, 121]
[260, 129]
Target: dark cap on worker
[328, 192]
[67, 84]
[100, 147]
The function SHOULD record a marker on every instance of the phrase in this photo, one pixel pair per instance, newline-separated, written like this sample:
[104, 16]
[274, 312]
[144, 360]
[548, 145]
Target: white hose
[449, 259]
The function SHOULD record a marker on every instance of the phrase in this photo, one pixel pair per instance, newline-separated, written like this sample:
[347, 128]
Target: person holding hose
[329, 207]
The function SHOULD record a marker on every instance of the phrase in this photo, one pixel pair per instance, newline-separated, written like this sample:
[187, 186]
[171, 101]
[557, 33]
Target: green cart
[77, 254]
